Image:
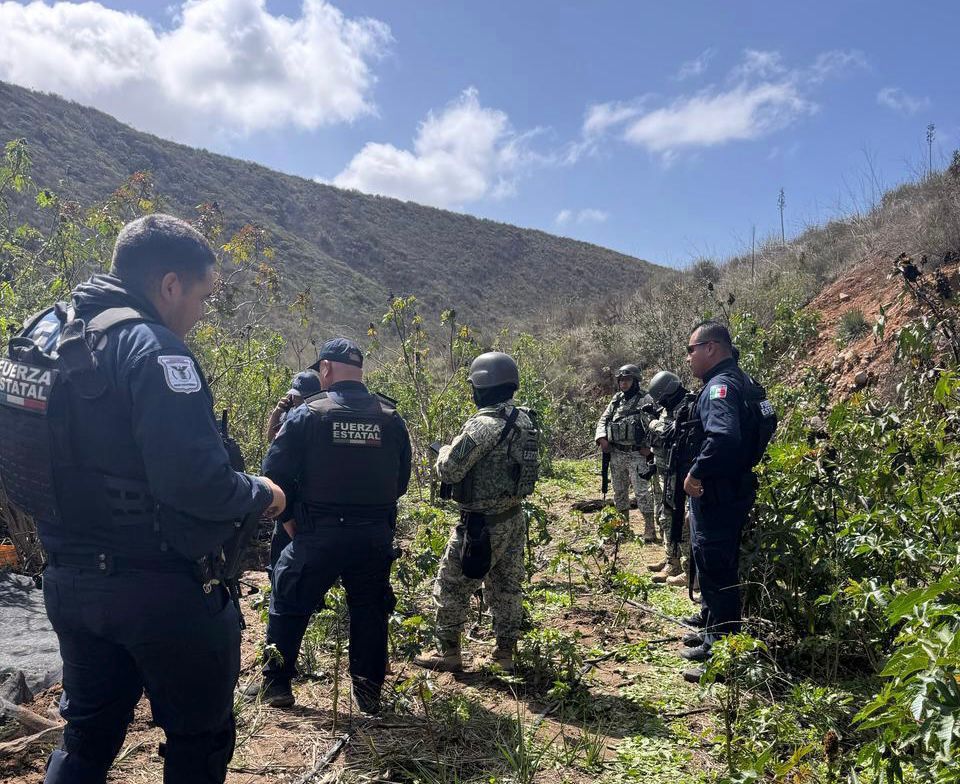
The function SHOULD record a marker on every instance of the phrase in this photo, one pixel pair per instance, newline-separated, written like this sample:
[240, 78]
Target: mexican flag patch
[718, 391]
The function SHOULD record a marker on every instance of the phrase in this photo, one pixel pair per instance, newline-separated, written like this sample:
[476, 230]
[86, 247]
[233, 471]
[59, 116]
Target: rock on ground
[27, 642]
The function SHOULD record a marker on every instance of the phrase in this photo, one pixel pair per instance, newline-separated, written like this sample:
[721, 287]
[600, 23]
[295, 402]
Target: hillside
[352, 250]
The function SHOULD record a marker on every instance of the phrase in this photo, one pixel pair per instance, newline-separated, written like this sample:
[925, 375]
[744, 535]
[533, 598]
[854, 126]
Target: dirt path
[599, 695]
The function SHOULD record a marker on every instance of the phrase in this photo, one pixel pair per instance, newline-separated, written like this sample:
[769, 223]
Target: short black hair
[149, 247]
[713, 330]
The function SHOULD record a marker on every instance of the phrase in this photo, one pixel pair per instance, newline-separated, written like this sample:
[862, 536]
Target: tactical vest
[629, 429]
[511, 468]
[51, 362]
[352, 465]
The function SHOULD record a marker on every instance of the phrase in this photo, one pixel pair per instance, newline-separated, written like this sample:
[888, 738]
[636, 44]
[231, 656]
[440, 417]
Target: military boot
[274, 692]
[670, 568]
[446, 658]
[649, 533]
[503, 656]
[659, 566]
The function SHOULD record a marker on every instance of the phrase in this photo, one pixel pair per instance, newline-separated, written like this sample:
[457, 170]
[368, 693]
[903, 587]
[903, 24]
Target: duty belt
[105, 563]
[338, 520]
[492, 519]
[626, 447]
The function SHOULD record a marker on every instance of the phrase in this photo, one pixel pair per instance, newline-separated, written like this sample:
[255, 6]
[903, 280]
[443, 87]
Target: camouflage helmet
[664, 385]
[493, 369]
[629, 370]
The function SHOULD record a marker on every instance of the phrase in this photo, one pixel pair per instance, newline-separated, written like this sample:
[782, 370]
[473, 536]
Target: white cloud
[224, 67]
[760, 95]
[759, 64]
[696, 67]
[600, 117]
[462, 154]
[900, 101]
[709, 119]
[836, 62]
[587, 215]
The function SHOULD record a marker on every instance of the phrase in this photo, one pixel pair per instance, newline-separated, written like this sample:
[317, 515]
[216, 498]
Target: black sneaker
[692, 639]
[275, 693]
[700, 653]
[694, 620]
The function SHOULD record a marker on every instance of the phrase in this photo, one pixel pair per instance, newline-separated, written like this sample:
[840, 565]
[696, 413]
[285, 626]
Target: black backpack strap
[112, 317]
[507, 427]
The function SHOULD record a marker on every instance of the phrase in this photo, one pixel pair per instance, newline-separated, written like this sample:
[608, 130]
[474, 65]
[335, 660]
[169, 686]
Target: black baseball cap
[305, 383]
[340, 350]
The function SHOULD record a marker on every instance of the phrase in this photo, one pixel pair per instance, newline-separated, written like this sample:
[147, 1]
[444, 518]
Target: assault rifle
[680, 457]
[604, 473]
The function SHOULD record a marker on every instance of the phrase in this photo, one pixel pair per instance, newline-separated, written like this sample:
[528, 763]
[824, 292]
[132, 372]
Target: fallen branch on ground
[29, 719]
[18, 746]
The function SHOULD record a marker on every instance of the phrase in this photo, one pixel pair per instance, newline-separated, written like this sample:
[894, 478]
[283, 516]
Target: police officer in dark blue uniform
[345, 459]
[736, 422]
[142, 492]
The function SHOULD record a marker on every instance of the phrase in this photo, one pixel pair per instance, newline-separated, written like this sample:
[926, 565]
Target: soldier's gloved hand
[604, 444]
[279, 502]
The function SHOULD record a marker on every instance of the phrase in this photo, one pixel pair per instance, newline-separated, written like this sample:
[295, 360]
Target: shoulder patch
[465, 446]
[180, 373]
[766, 409]
[718, 391]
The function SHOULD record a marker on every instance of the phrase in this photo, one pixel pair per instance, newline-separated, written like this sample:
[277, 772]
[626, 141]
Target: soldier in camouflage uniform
[622, 431]
[668, 392]
[491, 466]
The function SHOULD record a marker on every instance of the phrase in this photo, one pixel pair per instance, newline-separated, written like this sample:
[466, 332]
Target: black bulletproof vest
[352, 464]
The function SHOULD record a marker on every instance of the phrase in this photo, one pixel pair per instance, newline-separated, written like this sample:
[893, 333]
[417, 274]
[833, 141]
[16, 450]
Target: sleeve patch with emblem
[180, 373]
[465, 446]
[718, 391]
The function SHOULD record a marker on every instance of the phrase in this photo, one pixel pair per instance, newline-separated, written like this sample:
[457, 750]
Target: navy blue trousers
[358, 554]
[121, 634]
[716, 525]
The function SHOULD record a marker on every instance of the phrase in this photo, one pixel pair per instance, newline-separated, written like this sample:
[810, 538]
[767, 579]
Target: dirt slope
[865, 362]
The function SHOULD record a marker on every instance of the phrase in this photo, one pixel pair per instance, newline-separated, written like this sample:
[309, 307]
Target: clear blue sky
[664, 130]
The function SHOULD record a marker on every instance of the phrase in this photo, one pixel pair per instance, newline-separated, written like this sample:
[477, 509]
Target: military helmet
[663, 386]
[493, 369]
[629, 370]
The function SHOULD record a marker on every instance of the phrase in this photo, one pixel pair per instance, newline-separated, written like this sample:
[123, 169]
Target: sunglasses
[693, 346]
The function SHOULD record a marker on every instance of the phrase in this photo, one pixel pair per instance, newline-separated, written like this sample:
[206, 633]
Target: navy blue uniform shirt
[156, 425]
[725, 452]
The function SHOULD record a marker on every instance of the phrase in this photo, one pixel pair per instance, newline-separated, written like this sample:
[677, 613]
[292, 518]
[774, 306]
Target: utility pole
[931, 135]
[753, 252]
[781, 201]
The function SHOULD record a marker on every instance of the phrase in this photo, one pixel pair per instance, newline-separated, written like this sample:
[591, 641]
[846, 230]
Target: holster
[475, 554]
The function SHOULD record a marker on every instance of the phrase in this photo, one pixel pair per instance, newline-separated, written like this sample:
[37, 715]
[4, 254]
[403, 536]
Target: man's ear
[170, 287]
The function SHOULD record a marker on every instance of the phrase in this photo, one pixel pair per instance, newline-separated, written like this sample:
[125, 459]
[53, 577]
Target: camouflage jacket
[473, 453]
[620, 418]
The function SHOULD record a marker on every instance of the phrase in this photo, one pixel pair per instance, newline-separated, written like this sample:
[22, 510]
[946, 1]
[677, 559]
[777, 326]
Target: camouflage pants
[625, 469]
[501, 586]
